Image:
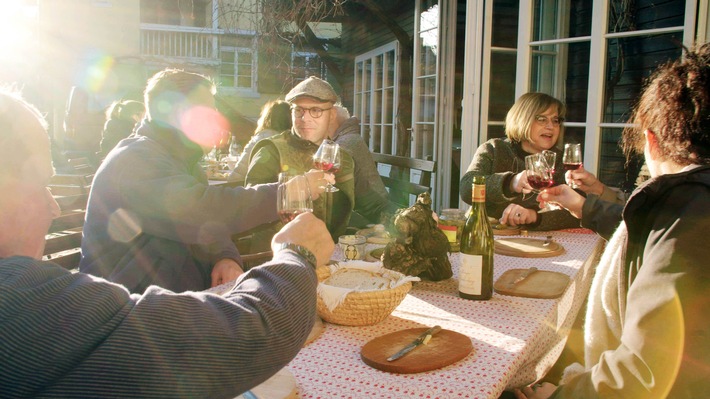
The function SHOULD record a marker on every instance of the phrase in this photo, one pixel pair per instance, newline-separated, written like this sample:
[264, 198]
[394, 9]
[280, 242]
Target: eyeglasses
[543, 120]
[315, 112]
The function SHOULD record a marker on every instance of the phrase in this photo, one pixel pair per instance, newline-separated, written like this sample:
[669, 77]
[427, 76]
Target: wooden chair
[70, 184]
[401, 189]
[63, 241]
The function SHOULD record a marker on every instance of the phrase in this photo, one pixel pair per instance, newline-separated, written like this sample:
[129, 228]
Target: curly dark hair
[675, 105]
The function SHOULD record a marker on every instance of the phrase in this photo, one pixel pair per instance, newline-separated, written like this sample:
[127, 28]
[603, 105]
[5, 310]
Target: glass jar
[451, 222]
[353, 246]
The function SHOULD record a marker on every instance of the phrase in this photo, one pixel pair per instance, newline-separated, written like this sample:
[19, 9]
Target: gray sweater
[371, 197]
[499, 160]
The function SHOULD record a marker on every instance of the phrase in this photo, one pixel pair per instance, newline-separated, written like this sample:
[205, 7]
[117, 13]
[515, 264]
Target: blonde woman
[532, 125]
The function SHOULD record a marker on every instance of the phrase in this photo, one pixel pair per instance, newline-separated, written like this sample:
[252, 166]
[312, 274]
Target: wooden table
[516, 340]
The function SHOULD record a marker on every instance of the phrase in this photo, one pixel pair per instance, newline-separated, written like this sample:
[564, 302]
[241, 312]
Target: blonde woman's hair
[522, 115]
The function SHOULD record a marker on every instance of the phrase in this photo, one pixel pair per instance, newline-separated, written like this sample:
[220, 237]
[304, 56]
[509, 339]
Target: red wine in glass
[572, 166]
[327, 159]
[539, 183]
[327, 167]
[287, 215]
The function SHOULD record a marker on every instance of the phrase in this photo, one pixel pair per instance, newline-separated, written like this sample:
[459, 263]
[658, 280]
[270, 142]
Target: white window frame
[254, 68]
[298, 78]
[593, 124]
[366, 93]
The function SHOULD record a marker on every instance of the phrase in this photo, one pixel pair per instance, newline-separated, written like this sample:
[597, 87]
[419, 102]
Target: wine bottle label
[471, 274]
[479, 193]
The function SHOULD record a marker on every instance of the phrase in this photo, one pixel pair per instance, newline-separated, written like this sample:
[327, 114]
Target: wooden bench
[400, 189]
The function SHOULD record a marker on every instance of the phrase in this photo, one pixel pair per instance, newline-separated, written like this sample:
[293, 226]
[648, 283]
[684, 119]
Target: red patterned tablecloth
[516, 340]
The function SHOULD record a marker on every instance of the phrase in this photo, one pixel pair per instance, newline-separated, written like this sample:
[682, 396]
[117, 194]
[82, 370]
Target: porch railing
[191, 44]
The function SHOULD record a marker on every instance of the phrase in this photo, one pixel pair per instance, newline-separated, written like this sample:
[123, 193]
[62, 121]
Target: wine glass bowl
[572, 158]
[293, 196]
[327, 159]
[540, 175]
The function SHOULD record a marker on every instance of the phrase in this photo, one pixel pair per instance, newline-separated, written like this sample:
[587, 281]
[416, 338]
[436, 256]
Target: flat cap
[313, 87]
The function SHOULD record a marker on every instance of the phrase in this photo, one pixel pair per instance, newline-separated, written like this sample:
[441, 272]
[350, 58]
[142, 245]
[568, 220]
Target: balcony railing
[184, 43]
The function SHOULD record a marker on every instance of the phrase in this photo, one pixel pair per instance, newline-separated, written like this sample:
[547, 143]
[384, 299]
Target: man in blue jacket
[152, 217]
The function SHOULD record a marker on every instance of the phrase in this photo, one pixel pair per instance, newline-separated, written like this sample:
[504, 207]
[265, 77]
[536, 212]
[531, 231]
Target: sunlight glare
[16, 27]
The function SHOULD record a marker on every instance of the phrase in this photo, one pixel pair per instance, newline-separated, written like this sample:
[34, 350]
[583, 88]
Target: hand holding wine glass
[293, 196]
[327, 159]
[540, 175]
[572, 158]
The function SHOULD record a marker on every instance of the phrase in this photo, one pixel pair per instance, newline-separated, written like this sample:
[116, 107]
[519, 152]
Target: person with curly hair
[646, 329]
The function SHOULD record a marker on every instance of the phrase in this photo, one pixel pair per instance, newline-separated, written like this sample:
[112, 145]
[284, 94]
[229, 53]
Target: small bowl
[353, 246]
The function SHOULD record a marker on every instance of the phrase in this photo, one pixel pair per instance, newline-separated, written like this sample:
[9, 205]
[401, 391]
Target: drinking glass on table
[540, 175]
[293, 196]
[572, 158]
[327, 159]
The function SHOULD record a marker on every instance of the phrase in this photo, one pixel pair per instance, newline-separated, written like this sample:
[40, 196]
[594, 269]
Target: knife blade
[424, 337]
[523, 276]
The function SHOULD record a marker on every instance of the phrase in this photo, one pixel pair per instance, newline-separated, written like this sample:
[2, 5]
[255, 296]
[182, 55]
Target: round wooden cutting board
[281, 386]
[526, 247]
[444, 348]
[542, 284]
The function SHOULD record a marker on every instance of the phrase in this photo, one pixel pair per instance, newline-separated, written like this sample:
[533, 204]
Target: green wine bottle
[476, 271]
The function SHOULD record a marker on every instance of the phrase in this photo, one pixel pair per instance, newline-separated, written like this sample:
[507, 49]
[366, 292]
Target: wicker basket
[362, 308]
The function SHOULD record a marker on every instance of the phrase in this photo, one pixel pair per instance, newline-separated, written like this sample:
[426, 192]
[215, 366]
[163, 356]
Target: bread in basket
[358, 293]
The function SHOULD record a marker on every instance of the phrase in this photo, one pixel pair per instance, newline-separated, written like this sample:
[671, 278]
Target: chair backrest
[70, 184]
[63, 240]
[401, 188]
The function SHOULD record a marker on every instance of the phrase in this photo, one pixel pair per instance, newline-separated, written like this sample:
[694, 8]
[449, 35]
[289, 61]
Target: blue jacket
[152, 217]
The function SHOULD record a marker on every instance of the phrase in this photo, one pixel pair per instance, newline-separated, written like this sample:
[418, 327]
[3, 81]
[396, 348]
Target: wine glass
[572, 158]
[540, 175]
[551, 159]
[327, 159]
[293, 196]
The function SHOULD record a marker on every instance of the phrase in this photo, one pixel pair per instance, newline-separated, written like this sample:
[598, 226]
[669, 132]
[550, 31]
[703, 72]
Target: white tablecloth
[516, 340]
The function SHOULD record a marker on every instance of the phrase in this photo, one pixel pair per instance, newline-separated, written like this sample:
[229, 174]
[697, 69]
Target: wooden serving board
[506, 231]
[540, 284]
[526, 247]
[281, 386]
[444, 348]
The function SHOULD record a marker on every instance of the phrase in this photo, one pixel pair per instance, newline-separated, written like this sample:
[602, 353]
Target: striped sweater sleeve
[75, 335]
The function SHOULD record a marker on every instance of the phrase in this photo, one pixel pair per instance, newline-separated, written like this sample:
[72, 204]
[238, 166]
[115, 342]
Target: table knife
[424, 337]
[523, 276]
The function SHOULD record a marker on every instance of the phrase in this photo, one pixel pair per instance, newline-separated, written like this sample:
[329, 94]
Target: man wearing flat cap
[313, 118]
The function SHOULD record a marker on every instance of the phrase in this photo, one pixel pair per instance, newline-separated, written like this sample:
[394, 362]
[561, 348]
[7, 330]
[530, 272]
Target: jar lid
[452, 211]
[352, 239]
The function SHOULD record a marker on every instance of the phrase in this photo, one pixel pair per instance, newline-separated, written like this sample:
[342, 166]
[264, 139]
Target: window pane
[390, 68]
[629, 61]
[574, 135]
[502, 93]
[577, 81]
[614, 170]
[505, 22]
[244, 81]
[625, 16]
[558, 19]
